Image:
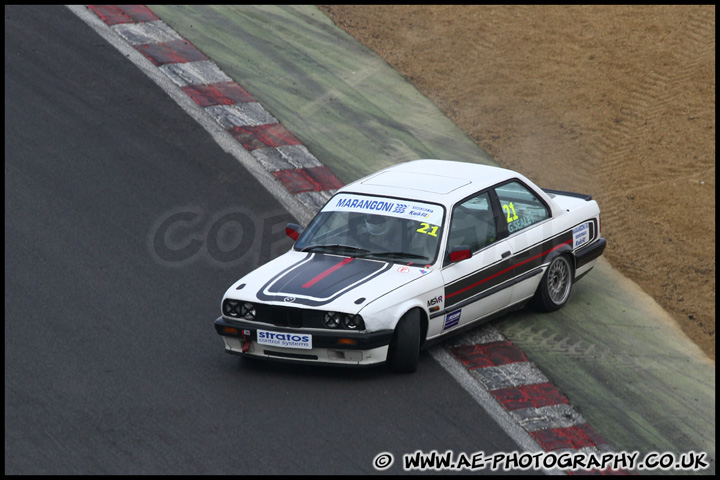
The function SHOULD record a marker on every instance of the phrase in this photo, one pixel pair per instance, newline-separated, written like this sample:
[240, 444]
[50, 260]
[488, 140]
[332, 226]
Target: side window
[521, 208]
[472, 224]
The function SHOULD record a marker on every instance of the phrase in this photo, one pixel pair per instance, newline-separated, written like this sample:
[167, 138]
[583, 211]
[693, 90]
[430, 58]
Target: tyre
[555, 286]
[404, 348]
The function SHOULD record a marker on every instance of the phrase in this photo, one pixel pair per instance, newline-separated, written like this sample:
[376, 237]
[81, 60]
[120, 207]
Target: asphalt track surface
[112, 365]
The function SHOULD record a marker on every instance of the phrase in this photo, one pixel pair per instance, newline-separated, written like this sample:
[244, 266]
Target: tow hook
[246, 342]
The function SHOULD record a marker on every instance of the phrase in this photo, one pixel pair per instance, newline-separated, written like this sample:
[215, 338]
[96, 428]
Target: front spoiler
[329, 347]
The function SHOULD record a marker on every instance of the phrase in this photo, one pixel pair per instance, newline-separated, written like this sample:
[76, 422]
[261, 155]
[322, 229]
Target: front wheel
[405, 345]
[554, 289]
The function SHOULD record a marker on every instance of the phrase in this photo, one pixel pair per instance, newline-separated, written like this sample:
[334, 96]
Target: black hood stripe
[327, 272]
[319, 279]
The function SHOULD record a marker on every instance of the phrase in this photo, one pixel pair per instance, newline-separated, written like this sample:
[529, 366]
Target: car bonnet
[324, 281]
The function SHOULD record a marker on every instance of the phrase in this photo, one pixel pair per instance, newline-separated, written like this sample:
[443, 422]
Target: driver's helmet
[377, 224]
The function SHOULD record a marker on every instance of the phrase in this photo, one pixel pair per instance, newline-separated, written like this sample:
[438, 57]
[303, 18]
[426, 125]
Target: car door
[474, 287]
[525, 217]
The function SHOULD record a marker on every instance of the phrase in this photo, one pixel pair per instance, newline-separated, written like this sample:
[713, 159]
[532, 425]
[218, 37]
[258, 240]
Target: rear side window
[521, 208]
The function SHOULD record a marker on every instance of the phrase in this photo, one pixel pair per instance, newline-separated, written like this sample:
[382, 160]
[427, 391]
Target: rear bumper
[589, 253]
[328, 347]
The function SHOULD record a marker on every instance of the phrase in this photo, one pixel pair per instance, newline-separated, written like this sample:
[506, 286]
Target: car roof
[439, 181]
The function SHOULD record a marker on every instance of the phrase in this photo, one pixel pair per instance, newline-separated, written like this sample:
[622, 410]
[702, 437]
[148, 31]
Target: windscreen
[376, 227]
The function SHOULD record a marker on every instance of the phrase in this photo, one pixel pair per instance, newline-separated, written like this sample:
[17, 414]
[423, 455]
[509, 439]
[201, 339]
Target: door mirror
[293, 230]
[460, 252]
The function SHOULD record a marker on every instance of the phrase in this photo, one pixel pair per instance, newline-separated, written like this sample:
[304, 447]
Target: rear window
[521, 207]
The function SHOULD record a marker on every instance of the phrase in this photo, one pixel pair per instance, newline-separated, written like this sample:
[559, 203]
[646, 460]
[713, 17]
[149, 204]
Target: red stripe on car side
[327, 272]
[506, 270]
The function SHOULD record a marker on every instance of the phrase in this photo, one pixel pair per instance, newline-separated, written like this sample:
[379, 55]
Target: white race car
[407, 256]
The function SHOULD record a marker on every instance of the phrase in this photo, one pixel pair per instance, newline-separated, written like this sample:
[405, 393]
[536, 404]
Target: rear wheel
[555, 286]
[405, 345]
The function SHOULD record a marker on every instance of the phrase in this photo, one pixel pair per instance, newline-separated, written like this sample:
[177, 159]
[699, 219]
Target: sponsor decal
[581, 234]
[423, 271]
[418, 211]
[452, 319]
[286, 340]
[403, 269]
[434, 301]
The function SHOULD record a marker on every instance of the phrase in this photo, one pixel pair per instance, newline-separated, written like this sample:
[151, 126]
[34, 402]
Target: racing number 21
[428, 229]
[507, 209]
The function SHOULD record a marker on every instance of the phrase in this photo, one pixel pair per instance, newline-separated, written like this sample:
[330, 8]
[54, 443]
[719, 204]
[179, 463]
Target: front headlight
[342, 320]
[333, 319]
[247, 311]
[239, 309]
[352, 322]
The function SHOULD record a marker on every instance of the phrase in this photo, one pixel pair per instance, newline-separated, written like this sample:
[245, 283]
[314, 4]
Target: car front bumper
[340, 347]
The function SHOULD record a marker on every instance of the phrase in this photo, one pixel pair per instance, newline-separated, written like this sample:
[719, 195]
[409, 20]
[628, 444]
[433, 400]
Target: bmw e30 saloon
[408, 256]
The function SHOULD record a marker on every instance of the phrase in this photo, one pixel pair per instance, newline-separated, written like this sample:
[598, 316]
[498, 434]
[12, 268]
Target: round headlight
[332, 319]
[231, 308]
[247, 311]
[351, 322]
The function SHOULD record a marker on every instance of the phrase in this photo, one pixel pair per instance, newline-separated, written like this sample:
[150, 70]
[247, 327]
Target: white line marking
[203, 72]
[552, 416]
[241, 115]
[480, 336]
[146, 32]
[286, 156]
[315, 200]
[509, 375]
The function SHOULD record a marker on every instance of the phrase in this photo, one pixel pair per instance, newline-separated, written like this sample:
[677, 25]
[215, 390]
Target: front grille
[281, 316]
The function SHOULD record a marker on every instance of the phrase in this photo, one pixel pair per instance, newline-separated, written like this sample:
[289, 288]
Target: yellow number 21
[507, 209]
[425, 226]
